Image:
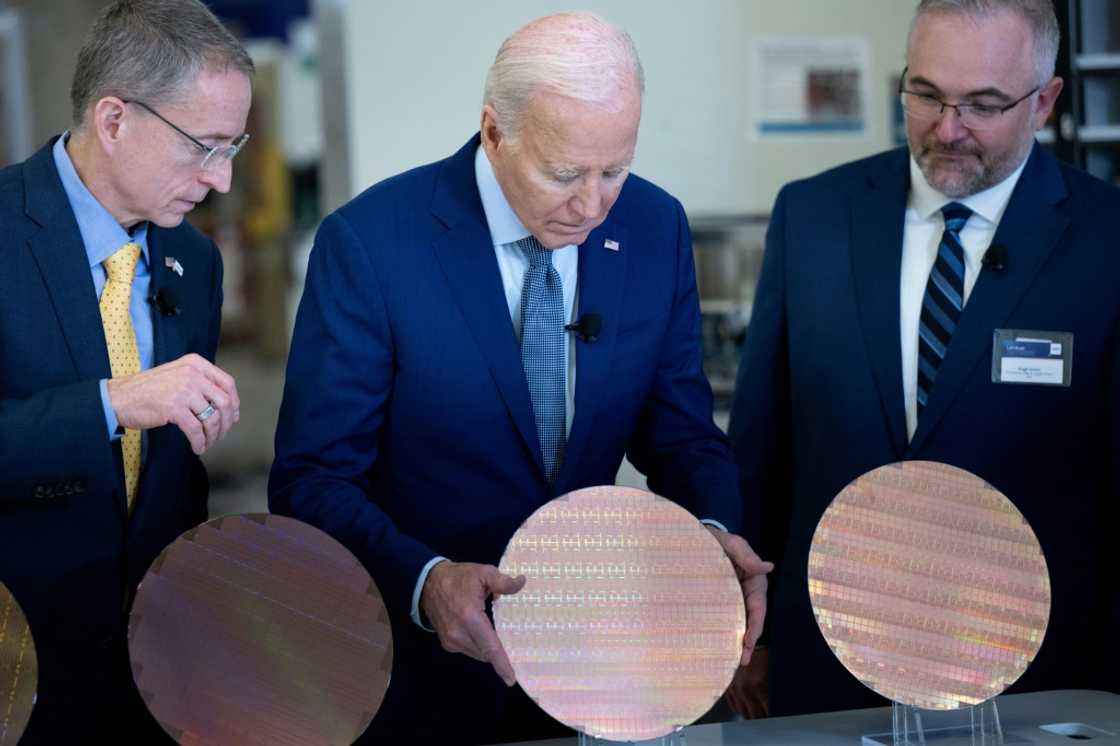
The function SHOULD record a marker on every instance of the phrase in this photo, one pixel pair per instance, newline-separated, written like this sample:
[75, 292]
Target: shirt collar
[988, 204]
[505, 226]
[101, 233]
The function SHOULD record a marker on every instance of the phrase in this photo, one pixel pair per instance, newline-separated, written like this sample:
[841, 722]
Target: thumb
[499, 584]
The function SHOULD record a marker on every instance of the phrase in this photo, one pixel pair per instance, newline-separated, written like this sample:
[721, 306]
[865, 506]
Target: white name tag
[1034, 357]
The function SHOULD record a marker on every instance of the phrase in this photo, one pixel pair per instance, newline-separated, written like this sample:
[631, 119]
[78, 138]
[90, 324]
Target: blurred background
[742, 96]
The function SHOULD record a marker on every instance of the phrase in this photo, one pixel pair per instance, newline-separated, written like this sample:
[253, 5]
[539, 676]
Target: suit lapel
[1029, 229]
[877, 219]
[61, 257]
[465, 252]
[168, 342]
[602, 275]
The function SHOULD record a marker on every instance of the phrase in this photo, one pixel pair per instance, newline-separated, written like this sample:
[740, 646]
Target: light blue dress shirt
[102, 236]
[506, 230]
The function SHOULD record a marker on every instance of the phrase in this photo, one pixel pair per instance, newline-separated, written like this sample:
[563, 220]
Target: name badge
[1032, 357]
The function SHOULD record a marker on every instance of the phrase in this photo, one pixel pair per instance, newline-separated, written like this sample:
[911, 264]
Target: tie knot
[956, 215]
[121, 266]
[538, 255]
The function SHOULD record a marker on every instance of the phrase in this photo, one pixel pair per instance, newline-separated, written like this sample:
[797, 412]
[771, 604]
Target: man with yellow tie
[110, 307]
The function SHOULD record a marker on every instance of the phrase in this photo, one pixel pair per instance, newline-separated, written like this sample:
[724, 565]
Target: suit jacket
[407, 430]
[69, 552]
[819, 399]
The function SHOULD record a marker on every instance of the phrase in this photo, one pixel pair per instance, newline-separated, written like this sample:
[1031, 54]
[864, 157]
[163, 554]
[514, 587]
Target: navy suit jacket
[407, 430]
[69, 552]
[819, 399]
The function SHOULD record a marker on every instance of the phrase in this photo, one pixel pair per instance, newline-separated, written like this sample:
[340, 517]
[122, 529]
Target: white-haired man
[891, 306]
[434, 399]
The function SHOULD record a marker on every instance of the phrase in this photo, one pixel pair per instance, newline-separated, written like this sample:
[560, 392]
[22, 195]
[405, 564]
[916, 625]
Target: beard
[963, 169]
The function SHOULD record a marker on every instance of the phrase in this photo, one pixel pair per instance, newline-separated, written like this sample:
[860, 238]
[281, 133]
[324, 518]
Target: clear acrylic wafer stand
[969, 726]
[676, 738]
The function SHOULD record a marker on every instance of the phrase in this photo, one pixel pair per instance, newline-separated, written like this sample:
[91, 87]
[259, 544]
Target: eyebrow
[556, 168]
[989, 91]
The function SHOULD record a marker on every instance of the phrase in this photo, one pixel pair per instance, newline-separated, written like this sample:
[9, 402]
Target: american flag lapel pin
[173, 264]
[611, 244]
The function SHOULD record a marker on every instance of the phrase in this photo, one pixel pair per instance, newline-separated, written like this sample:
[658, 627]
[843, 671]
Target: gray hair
[1039, 15]
[578, 55]
[150, 50]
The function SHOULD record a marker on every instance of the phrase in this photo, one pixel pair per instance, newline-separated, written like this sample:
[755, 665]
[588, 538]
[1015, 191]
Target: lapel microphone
[167, 301]
[995, 258]
[587, 328]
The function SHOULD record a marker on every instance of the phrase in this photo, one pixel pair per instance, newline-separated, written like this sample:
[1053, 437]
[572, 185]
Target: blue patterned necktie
[943, 301]
[542, 350]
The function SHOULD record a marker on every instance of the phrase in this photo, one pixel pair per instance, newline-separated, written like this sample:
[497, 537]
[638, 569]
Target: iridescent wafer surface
[19, 670]
[929, 585]
[260, 629]
[631, 620]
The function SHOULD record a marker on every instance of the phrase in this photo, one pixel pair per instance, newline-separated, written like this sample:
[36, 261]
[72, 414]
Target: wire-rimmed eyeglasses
[213, 157]
[973, 116]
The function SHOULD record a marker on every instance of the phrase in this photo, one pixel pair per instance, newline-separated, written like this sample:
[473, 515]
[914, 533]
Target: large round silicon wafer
[631, 620]
[19, 670]
[260, 629]
[929, 585]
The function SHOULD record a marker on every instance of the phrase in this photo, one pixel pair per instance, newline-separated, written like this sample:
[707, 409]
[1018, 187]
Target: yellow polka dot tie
[120, 338]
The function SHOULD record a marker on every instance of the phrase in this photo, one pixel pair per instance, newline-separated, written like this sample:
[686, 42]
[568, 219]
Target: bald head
[576, 55]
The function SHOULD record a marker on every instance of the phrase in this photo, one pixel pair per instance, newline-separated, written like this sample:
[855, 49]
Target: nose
[219, 176]
[587, 202]
[949, 127]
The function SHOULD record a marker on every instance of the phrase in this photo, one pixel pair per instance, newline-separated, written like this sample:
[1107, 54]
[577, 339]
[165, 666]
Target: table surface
[1021, 716]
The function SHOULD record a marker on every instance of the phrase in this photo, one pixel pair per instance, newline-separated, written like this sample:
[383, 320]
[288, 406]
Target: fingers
[751, 570]
[454, 599]
[176, 393]
[204, 385]
[185, 420]
[754, 596]
[490, 649]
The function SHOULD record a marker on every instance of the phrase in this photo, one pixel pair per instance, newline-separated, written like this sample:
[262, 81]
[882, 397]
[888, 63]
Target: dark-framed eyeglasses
[973, 116]
[212, 157]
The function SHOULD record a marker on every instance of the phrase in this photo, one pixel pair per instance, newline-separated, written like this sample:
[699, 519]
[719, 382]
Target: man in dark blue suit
[434, 400]
[107, 398]
[884, 284]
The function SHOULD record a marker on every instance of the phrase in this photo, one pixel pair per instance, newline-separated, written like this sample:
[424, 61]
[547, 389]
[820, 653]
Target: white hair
[1039, 15]
[575, 54]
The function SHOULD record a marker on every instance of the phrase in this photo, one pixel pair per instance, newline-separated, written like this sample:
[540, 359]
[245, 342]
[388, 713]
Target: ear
[108, 121]
[1047, 98]
[492, 135]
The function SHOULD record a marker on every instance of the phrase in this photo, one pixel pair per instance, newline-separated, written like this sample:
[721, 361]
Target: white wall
[414, 73]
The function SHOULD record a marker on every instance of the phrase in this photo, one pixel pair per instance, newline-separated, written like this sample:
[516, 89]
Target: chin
[168, 219]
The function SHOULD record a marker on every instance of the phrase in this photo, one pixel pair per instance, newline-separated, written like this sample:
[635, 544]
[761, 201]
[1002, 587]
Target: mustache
[934, 148]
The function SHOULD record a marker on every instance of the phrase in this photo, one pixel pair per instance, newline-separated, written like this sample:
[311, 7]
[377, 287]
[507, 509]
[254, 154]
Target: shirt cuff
[415, 613]
[114, 425]
[714, 524]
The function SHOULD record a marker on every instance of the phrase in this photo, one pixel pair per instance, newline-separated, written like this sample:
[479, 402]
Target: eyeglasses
[972, 116]
[213, 158]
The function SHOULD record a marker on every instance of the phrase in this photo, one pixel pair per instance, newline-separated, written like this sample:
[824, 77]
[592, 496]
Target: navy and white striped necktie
[943, 301]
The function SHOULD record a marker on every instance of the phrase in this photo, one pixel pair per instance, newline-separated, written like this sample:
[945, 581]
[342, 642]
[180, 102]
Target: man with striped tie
[110, 308]
[956, 301]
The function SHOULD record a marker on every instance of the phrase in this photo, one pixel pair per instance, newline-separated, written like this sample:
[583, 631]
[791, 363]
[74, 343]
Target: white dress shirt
[920, 239]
